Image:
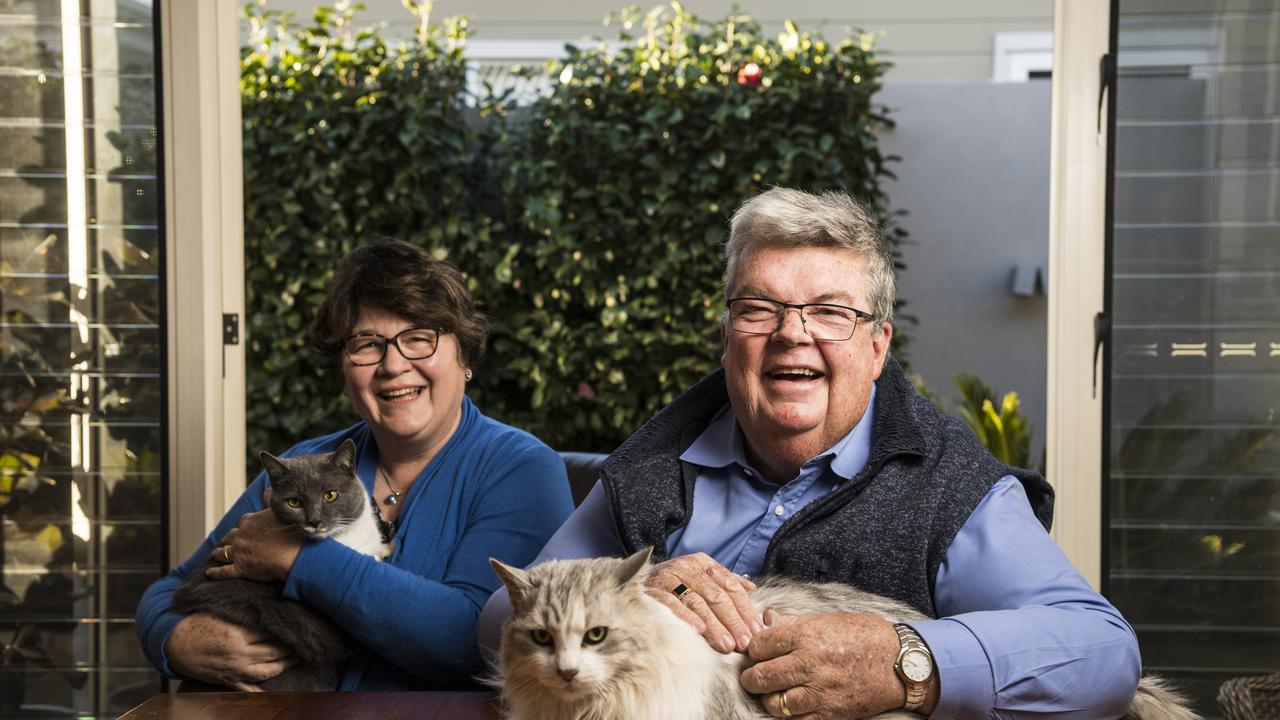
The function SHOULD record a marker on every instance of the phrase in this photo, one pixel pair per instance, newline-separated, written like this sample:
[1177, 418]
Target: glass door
[1192, 404]
[82, 426]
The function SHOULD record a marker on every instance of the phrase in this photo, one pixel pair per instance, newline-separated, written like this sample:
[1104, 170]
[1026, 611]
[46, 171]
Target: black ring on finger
[680, 591]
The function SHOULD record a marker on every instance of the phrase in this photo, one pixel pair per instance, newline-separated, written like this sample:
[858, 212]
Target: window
[1192, 436]
[82, 429]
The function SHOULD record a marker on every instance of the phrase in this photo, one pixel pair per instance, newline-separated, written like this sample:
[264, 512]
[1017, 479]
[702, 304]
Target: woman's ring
[680, 590]
[226, 553]
[786, 711]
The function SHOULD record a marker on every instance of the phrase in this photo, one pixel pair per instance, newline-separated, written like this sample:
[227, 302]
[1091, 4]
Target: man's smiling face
[795, 396]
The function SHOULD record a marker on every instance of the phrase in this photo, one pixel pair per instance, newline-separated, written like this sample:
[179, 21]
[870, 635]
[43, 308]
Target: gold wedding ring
[680, 590]
[786, 711]
[226, 553]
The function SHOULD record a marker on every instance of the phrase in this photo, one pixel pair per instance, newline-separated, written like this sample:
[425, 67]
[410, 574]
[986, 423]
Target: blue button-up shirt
[729, 493]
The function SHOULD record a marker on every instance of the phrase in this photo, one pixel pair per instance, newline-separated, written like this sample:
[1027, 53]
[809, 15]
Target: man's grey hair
[785, 218]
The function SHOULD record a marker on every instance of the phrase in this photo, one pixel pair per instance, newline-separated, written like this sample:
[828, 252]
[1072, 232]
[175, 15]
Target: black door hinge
[230, 329]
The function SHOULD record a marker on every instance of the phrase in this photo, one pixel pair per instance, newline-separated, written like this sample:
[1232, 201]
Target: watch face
[917, 665]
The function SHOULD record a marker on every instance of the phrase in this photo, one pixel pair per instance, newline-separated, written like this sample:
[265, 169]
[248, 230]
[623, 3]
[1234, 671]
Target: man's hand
[834, 665]
[207, 648]
[259, 548]
[716, 602]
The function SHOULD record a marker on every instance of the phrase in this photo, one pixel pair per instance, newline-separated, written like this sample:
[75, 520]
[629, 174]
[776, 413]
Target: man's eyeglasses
[371, 348]
[822, 321]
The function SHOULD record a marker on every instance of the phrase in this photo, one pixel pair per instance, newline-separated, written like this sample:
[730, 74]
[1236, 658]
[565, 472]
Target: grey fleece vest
[885, 531]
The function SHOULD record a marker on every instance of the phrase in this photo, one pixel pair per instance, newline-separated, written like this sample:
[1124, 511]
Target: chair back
[584, 470]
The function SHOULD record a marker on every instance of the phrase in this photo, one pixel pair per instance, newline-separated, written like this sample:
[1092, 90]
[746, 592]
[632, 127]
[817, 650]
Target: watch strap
[909, 640]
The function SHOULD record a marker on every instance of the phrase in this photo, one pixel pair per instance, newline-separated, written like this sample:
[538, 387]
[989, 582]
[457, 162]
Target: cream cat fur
[587, 642]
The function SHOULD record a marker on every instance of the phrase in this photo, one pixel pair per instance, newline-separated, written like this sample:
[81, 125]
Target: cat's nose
[567, 674]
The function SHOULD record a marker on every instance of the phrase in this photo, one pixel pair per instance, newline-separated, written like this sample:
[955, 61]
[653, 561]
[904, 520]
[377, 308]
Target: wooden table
[317, 706]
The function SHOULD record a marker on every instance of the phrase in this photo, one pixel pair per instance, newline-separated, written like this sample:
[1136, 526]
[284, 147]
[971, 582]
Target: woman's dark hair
[404, 279]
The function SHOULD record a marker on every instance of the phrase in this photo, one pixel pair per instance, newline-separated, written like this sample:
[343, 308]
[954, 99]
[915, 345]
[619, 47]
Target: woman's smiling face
[412, 403]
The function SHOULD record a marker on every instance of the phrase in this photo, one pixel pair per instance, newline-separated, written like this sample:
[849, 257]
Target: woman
[457, 487]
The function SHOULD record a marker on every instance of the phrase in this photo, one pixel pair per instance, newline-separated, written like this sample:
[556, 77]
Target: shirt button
[778, 511]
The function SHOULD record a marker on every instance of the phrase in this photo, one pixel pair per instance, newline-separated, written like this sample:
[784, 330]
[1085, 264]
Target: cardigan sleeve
[153, 619]
[425, 626]
[589, 532]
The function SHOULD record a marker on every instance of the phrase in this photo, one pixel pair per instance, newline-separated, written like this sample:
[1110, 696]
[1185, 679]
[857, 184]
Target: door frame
[1077, 257]
[204, 263]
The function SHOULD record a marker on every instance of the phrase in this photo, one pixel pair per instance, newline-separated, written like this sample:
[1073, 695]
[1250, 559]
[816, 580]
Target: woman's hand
[260, 548]
[714, 601]
[212, 650]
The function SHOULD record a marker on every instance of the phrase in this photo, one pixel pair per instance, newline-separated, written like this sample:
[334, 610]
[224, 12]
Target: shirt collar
[720, 445]
[851, 451]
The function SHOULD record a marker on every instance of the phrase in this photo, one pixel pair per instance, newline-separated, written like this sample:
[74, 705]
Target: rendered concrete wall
[927, 40]
[975, 180]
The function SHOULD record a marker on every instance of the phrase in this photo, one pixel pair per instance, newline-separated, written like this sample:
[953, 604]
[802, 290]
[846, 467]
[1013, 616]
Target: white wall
[927, 40]
[974, 179]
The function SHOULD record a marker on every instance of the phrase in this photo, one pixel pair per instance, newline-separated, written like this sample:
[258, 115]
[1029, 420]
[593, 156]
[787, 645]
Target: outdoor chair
[584, 470]
[1250, 698]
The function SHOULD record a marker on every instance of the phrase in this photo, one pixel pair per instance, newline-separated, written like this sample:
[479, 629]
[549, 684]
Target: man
[811, 455]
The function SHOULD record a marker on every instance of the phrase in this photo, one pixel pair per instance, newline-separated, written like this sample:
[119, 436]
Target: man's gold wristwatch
[914, 666]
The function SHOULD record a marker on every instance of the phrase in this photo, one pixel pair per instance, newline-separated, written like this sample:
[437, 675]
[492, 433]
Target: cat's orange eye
[331, 495]
[294, 502]
[596, 635]
[542, 637]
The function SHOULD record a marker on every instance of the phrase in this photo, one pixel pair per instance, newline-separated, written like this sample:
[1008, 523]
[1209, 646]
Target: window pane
[1194, 394]
[81, 422]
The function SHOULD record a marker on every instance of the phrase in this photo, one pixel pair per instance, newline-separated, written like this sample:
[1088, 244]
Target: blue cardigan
[491, 491]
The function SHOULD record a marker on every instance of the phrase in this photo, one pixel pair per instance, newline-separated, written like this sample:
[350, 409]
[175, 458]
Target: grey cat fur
[652, 665]
[319, 645]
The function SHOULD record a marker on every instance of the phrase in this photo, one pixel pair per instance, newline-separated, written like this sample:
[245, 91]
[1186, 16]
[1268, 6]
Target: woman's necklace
[394, 497]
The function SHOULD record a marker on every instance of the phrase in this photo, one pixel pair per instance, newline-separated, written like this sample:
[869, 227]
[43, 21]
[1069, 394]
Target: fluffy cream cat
[585, 641]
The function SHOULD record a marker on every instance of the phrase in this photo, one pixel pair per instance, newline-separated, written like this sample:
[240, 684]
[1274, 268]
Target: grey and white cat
[317, 496]
[585, 641]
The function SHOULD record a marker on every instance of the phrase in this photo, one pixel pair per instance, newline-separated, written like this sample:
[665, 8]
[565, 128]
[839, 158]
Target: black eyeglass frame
[389, 341]
[782, 313]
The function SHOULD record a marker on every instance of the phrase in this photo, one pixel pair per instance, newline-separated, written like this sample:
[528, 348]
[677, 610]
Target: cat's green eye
[542, 637]
[294, 502]
[331, 496]
[596, 635]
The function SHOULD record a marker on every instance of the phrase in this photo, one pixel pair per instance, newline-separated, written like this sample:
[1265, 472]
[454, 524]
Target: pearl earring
[468, 375]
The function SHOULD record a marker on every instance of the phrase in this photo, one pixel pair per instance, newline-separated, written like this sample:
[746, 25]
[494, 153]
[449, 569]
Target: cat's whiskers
[295, 531]
[336, 528]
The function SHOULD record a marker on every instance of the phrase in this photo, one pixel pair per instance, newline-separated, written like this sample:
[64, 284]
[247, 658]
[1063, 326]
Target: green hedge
[589, 223]
[345, 139]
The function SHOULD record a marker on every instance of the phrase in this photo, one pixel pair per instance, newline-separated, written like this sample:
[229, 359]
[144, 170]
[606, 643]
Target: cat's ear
[273, 466]
[634, 566]
[516, 581]
[345, 456]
